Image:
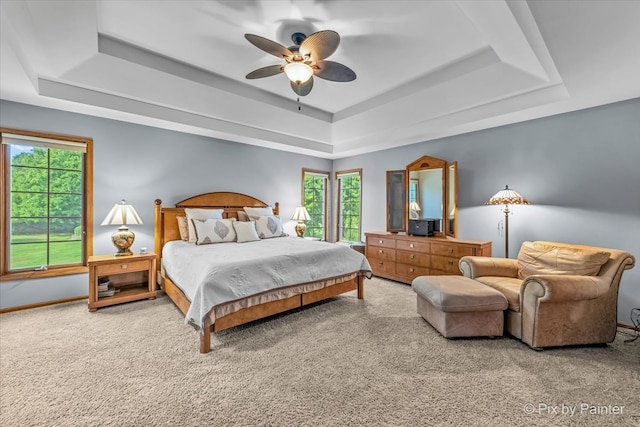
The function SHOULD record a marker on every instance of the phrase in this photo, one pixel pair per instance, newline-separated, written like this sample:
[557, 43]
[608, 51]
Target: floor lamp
[507, 197]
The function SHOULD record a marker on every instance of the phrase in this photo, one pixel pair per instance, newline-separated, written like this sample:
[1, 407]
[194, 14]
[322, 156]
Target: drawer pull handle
[380, 263]
[380, 251]
[412, 256]
[124, 266]
[380, 241]
[411, 270]
[450, 262]
[411, 245]
[450, 250]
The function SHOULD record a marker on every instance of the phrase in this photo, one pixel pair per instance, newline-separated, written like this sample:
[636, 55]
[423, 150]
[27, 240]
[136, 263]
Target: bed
[222, 285]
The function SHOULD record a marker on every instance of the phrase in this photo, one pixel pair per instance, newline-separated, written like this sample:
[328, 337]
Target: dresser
[402, 257]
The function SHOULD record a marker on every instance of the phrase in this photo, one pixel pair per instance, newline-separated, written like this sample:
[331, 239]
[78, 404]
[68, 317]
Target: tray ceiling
[425, 69]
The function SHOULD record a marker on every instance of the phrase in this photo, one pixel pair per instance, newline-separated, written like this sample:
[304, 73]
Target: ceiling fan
[303, 60]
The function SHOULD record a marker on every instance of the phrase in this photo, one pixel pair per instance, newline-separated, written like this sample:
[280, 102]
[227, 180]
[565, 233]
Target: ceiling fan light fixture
[298, 72]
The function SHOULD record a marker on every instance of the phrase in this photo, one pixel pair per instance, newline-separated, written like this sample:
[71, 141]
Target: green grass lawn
[31, 250]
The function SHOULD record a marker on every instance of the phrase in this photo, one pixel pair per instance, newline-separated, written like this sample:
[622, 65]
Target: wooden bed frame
[166, 230]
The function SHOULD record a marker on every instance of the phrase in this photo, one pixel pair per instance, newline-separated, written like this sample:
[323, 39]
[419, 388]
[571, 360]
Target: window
[349, 206]
[414, 199]
[413, 191]
[314, 199]
[46, 198]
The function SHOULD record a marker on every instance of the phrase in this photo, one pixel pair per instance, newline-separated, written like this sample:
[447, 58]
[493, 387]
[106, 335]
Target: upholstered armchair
[559, 294]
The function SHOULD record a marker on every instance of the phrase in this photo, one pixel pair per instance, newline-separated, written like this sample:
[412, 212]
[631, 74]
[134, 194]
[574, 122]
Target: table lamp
[122, 214]
[300, 215]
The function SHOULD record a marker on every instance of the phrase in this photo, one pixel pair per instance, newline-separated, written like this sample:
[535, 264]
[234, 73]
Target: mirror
[452, 200]
[427, 196]
[396, 211]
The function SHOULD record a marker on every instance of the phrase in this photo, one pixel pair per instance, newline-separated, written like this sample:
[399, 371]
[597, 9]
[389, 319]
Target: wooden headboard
[166, 224]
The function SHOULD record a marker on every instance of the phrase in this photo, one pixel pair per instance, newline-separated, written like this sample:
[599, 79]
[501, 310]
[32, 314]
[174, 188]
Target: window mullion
[48, 207]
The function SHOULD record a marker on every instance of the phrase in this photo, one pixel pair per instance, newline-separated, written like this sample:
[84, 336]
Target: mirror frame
[396, 201]
[426, 163]
[451, 228]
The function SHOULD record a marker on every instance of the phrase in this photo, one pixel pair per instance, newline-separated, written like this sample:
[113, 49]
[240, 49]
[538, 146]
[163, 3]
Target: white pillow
[214, 231]
[255, 213]
[195, 213]
[269, 226]
[246, 231]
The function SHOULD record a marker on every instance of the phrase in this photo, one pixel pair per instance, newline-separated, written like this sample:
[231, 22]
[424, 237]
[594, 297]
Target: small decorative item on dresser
[300, 215]
[122, 214]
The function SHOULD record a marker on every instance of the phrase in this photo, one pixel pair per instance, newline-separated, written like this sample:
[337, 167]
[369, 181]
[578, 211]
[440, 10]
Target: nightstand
[128, 278]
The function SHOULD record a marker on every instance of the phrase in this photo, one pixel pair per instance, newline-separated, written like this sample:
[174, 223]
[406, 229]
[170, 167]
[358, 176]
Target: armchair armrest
[559, 288]
[478, 266]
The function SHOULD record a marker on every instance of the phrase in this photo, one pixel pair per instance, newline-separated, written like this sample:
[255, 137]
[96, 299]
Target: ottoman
[458, 306]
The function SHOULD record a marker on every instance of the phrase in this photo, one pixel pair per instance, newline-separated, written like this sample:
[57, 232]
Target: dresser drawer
[413, 258]
[445, 264]
[410, 272]
[381, 241]
[451, 250]
[381, 253]
[382, 268]
[121, 267]
[409, 245]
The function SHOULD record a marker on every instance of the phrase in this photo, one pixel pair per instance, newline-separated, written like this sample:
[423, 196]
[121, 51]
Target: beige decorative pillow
[183, 227]
[196, 213]
[214, 231]
[255, 213]
[242, 216]
[246, 231]
[538, 258]
[269, 226]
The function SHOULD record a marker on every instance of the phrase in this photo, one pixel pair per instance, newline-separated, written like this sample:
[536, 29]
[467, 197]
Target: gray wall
[580, 170]
[141, 164]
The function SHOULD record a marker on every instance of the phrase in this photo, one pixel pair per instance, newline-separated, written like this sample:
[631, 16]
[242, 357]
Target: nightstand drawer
[122, 267]
[125, 279]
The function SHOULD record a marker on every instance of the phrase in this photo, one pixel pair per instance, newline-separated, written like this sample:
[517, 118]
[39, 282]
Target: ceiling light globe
[298, 72]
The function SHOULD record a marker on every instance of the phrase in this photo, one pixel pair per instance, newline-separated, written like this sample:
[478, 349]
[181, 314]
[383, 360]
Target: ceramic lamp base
[122, 240]
[301, 227]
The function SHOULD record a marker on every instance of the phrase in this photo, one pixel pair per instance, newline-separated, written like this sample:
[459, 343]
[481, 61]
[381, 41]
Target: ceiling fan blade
[271, 70]
[334, 71]
[302, 89]
[320, 45]
[269, 46]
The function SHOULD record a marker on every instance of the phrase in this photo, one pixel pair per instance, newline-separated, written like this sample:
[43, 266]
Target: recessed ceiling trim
[495, 20]
[467, 64]
[503, 111]
[231, 131]
[115, 47]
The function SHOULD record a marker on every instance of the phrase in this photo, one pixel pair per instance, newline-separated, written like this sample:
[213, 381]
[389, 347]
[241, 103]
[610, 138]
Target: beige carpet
[345, 362]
